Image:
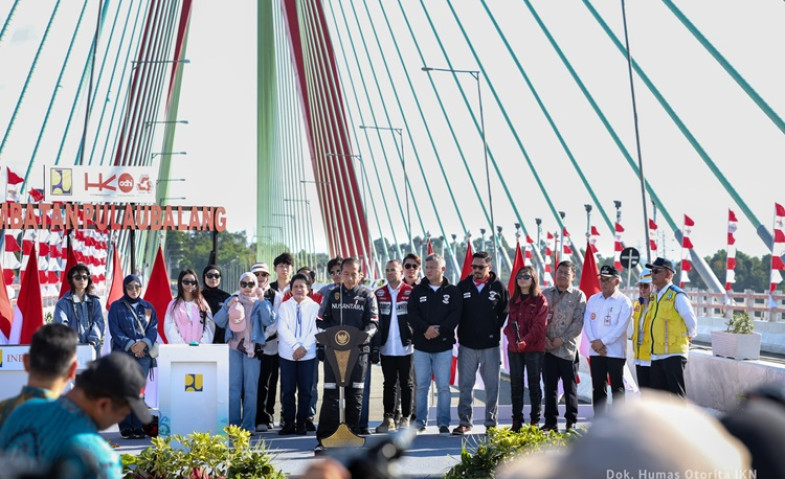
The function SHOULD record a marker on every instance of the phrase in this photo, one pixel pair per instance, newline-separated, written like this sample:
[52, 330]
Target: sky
[218, 99]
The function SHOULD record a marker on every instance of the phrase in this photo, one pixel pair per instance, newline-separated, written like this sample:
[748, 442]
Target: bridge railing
[759, 306]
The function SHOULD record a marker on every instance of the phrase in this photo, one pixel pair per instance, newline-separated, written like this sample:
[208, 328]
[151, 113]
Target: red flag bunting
[516, 265]
[30, 303]
[116, 290]
[779, 209]
[158, 291]
[467, 261]
[688, 221]
[13, 178]
[6, 310]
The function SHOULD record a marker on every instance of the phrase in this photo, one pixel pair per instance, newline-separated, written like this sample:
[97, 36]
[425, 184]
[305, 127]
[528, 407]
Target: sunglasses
[261, 274]
[479, 266]
[410, 266]
[80, 277]
[134, 286]
[212, 276]
[243, 284]
[656, 270]
[189, 282]
[524, 276]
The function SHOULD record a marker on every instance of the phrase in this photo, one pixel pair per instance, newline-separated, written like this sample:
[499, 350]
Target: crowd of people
[410, 323]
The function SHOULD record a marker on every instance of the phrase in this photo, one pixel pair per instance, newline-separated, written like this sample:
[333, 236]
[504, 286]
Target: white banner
[106, 184]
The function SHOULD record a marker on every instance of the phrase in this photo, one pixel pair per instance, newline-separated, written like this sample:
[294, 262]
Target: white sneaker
[261, 428]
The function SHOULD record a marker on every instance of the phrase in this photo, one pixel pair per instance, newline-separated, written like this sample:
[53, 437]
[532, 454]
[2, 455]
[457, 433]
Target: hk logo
[60, 182]
[194, 383]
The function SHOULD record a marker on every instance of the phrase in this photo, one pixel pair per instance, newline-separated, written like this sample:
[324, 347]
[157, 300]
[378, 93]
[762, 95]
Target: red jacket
[530, 315]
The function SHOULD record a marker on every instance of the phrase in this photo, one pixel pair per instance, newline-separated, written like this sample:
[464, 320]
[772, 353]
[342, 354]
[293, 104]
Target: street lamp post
[405, 176]
[476, 75]
[167, 153]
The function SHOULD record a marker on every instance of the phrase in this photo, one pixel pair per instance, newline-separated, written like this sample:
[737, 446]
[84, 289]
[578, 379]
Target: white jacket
[287, 325]
[607, 319]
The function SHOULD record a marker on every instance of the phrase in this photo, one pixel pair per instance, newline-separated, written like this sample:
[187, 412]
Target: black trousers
[398, 370]
[603, 367]
[268, 387]
[329, 414]
[555, 369]
[644, 376]
[668, 375]
[532, 363]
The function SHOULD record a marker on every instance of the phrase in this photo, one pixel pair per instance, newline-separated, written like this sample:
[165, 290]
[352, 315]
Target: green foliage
[740, 323]
[502, 445]
[202, 456]
[751, 272]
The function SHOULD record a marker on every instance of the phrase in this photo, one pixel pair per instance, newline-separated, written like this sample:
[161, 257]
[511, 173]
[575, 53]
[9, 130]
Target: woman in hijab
[134, 328]
[245, 317]
[188, 317]
[215, 296]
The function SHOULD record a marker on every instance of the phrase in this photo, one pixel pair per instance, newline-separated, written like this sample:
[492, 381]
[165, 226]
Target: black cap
[610, 271]
[117, 376]
[662, 263]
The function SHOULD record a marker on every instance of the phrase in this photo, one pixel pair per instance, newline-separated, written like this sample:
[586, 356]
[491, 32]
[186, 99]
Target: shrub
[740, 323]
[502, 445]
[202, 456]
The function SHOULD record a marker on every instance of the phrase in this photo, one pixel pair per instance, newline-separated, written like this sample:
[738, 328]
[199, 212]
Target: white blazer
[288, 342]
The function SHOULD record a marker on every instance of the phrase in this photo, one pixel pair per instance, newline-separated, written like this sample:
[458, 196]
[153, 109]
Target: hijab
[214, 296]
[131, 278]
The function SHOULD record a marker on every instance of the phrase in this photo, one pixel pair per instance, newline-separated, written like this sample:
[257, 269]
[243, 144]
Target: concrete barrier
[773, 333]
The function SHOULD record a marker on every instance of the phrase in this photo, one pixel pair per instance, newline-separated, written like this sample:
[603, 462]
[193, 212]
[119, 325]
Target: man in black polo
[348, 304]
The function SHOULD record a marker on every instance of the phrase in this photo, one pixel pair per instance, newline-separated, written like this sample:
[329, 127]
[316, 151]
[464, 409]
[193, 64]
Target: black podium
[341, 351]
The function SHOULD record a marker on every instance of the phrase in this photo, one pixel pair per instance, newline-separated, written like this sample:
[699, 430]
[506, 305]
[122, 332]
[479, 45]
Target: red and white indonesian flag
[618, 247]
[686, 247]
[778, 248]
[730, 263]
[652, 236]
[594, 236]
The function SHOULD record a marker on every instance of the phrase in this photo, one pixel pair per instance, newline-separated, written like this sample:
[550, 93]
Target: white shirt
[684, 308]
[192, 312]
[607, 319]
[393, 346]
[292, 335]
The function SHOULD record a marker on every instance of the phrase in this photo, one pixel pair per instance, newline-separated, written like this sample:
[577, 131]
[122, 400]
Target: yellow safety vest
[668, 330]
[642, 351]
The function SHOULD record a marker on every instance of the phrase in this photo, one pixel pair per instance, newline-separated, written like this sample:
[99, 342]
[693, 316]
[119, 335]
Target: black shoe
[548, 427]
[139, 434]
[319, 450]
[288, 429]
[127, 433]
[570, 426]
[300, 429]
[363, 432]
[517, 425]
[309, 426]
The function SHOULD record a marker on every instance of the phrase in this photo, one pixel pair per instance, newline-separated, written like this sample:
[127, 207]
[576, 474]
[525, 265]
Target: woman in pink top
[188, 318]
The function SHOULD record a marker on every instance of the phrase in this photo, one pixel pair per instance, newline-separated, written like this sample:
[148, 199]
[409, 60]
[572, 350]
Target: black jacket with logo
[359, 308]
[484, 313]
[427, 307]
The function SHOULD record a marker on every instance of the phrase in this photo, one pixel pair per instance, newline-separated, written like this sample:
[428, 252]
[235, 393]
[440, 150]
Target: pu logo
[1, 358]
[194, 383]
[61, 182]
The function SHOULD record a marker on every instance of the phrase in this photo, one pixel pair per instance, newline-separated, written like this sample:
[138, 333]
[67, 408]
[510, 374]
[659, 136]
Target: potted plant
[738, 341]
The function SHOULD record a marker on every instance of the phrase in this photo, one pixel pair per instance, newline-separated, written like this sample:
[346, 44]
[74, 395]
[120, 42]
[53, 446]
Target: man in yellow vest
[673, 325]
[641, 340]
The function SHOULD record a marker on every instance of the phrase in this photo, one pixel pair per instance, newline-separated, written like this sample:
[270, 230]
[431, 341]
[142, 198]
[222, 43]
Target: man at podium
[347, 304]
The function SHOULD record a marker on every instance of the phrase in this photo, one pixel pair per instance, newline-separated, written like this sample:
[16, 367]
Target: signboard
[12, 368]
[120, 184]
[629, 258]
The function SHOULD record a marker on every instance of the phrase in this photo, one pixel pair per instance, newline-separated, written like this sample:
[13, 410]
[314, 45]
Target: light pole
[539, 233]
[167, 153]
[310, 222]
[405, 176]
[165, 122]
[334, 221]
[476, 75]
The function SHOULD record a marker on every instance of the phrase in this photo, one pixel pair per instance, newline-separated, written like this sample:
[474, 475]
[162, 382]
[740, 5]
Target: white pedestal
[12, 368]
[193, 389]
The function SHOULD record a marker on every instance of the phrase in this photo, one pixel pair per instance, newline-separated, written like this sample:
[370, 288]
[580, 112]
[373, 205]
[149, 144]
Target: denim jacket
[85, 317]
[262, 316]
[125, 328]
